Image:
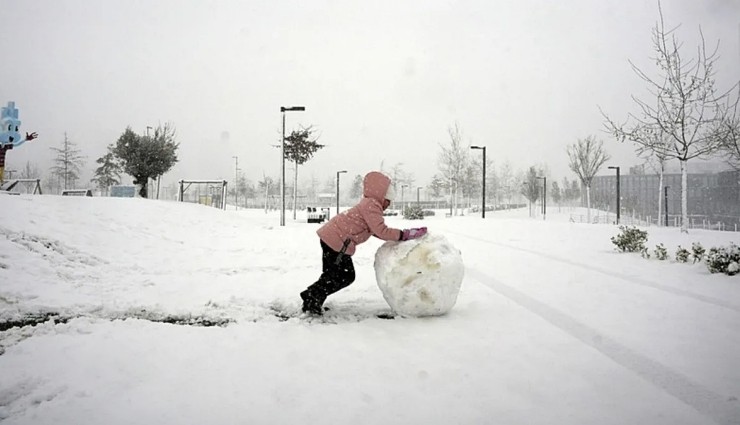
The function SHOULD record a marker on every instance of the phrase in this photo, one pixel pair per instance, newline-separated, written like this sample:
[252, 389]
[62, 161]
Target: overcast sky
[382, 81]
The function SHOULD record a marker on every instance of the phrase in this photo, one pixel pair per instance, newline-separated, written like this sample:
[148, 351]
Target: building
[712, 197]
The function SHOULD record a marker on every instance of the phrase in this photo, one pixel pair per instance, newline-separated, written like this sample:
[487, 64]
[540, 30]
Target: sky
[382, 82]
[551, 325]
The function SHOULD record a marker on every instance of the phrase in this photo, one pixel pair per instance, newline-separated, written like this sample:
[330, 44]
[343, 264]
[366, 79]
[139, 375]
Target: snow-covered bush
[421, 277]
[697, 252]
[644, 253]
[631, 239]
[660, 252]
[725, 259]
[682, 254]
[413, 212]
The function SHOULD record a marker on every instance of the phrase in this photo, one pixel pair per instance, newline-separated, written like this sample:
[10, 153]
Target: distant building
[713, 197]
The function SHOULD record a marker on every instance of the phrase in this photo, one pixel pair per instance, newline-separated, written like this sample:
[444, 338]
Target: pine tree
[356, 191]
[109, 172]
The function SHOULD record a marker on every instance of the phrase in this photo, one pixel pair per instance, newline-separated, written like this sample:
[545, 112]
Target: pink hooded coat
[363, 220]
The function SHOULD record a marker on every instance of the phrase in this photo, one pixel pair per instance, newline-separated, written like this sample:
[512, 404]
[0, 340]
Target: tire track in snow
[724, 410]
[611, 273]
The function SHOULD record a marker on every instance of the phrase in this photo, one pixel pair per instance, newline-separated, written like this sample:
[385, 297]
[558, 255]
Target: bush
[660, 252]
[682, 255]
[631, 239]
[413, 212]
[724, 259]
[644, 253]
[697, 252]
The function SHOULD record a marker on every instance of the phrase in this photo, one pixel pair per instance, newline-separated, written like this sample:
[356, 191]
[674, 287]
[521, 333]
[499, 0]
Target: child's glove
[408, 234]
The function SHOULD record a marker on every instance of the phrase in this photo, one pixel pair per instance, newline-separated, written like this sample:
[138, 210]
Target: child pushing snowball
[340, 236]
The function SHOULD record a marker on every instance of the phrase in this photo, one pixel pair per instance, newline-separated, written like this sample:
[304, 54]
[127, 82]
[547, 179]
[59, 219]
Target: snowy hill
[164, 314]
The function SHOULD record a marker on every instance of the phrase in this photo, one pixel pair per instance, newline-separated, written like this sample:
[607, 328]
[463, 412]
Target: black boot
[312, 304]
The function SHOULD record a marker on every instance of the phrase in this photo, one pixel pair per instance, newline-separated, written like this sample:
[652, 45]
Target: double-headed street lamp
[483, 209]
[338, 173]
[617, 168]
[283, 109]
[544, 197]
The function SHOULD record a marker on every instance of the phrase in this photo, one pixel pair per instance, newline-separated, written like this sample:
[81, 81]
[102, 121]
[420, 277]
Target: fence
[673, 221]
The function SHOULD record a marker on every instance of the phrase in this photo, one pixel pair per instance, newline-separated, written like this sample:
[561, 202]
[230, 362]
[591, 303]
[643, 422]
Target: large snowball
[419, 277]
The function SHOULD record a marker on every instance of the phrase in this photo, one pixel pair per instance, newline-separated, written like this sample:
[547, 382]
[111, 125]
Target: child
[340, 235]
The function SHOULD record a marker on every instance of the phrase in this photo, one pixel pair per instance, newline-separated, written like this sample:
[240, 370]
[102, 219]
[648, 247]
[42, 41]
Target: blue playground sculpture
[10, 137]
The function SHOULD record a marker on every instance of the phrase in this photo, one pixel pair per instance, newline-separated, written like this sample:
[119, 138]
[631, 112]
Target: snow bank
[420, 277]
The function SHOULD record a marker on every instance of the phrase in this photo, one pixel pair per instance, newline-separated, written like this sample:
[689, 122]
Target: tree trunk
[660, 198]
[142, 186]
[684, 198]
[588, 203]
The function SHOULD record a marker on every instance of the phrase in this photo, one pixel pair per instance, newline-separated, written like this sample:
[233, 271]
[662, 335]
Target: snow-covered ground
[552, 325]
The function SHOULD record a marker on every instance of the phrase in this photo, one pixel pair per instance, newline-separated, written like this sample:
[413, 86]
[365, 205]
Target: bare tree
[507, 182]
[730, 132]
[686, 107]
[530, 188]
[452, 162]
[67, 163]
[586, 158]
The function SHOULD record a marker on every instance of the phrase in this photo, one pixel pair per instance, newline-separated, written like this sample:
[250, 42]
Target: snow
[420, 277]
[551, 324]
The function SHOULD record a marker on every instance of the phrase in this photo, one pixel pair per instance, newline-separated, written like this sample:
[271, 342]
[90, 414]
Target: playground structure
[207, 192]
[9, 185]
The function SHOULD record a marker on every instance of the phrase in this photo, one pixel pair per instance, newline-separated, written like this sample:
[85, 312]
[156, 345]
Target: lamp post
[236, 182]
[618, 208]
[665, 189]
[483, 196]
[284, 109]
[338, 173]
[417, 195]
[544, 197]
[403, 206]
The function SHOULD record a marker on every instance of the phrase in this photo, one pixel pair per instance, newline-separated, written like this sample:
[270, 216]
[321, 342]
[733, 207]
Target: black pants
[334, 276]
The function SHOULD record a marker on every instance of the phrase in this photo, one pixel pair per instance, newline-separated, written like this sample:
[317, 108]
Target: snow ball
[420, 277]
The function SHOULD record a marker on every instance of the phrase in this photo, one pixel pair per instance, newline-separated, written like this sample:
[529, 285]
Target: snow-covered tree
[586, 158]
[109, 171]
[356, 191]
[300, 146]
[144, 157]
[452, 162]
[67, 163]
[683, 117]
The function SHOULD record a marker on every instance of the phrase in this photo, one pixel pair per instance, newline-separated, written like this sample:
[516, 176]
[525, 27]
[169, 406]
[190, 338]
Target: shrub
[682, 254]
[413, 212]
[697, 251]
[644, 252]
[725, 259]
[660, 252]
[631, 239]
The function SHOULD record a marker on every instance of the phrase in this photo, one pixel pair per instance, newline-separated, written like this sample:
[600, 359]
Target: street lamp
[403, 206]
[544, 197]
[666, 204]
[236, 182]
[618, 209]
[483, 208]
[283, 109]
[338, 173]
[417, 195]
